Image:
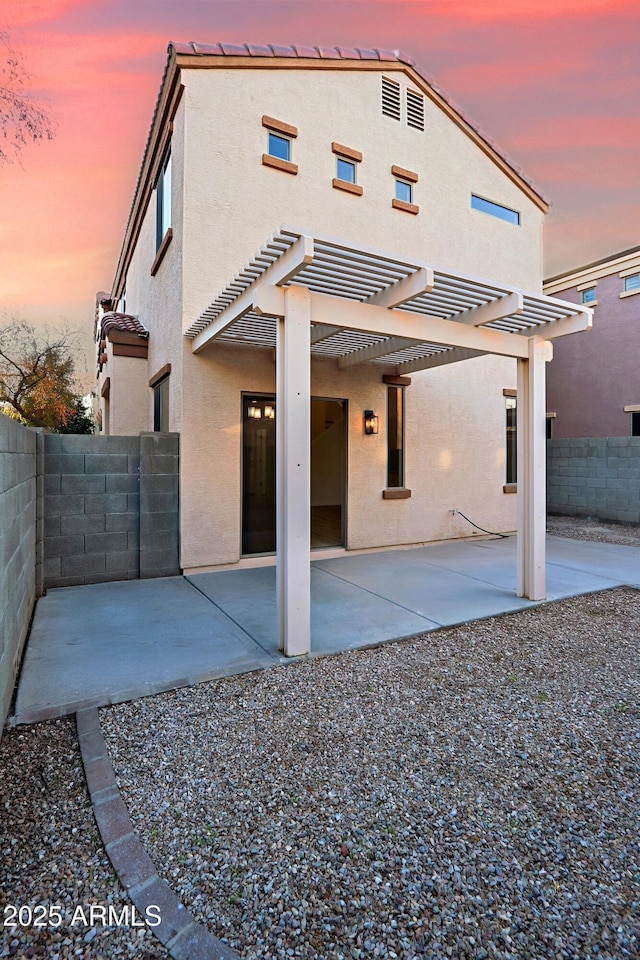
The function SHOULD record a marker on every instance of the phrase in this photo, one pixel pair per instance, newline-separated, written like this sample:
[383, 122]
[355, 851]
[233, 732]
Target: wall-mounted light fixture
[370, 422]
[254, 412]
[269, 412]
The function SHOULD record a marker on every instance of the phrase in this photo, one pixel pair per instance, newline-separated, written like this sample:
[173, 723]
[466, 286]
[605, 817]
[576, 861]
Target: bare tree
[22, 118]
[37, 375]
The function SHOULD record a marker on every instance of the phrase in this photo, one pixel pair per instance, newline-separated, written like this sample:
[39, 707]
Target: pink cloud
[25, 13]
[553, 83]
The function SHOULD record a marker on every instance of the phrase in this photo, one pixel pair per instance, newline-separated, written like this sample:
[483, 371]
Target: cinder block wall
[103, 520]
[159, 504]
[595, 478]
[18, 451]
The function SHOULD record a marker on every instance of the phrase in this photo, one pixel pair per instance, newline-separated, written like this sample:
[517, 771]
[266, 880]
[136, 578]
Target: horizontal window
[632, 282]
[495, 209]
[589, 295]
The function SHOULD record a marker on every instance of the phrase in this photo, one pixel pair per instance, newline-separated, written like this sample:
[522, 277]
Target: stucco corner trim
[396, 493]
[404, 206]
[279, 164]
[347, 187]
[162, 249]
[510, 488]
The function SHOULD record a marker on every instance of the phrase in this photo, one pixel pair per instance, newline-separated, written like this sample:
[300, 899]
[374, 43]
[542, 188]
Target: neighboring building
[412, 277]
[122, 348]
[593, 384]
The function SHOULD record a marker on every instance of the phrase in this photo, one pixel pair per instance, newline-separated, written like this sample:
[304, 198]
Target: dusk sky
[556, 83]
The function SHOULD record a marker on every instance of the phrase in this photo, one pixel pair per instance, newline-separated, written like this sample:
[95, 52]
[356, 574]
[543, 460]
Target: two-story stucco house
[593, 384]
[331, 286]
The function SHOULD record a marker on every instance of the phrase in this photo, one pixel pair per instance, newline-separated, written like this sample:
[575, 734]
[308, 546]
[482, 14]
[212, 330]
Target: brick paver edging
[184, 938]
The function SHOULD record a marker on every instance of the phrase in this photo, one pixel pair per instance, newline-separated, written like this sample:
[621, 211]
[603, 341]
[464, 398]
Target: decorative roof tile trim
[124, 322]
[311, 53]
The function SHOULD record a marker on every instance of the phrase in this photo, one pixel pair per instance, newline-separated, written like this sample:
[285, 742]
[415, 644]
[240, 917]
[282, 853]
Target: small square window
[404, 191]
[589, 295]
[345, 170]
[632, 282]
[279, 146]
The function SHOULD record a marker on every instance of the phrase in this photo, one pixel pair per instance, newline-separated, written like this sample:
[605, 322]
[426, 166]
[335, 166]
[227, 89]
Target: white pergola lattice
[307, 293]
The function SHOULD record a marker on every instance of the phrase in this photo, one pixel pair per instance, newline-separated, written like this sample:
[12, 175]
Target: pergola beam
[375, 350]
[455, 355]
[323, 332]
[403, 290]
[280, 272]
[381, 321]
[499, 309]
[566, 325]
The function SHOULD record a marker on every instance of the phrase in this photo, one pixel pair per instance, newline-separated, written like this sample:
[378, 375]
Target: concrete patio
[106, 643]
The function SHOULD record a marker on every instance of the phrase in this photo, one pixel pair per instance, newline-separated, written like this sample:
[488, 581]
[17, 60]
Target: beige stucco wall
[157, 300]
[128, 397]
[231, 203]
[454, 441]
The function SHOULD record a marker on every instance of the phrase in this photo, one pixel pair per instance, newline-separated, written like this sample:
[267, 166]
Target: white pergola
[309, 294]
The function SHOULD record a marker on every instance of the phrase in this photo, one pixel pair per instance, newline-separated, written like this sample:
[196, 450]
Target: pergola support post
[293, 511]
[532, 498]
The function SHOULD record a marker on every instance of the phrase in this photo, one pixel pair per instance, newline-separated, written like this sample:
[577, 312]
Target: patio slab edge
[137, 692]
[178, 931]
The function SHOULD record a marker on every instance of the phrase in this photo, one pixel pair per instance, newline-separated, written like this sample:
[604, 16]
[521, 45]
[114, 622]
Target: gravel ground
[51, 855]
[470, 794]
[584, 528]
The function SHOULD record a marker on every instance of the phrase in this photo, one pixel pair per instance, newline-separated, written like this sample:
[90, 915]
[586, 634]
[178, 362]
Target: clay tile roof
[310, 53]
[124, 322]
[255, 50]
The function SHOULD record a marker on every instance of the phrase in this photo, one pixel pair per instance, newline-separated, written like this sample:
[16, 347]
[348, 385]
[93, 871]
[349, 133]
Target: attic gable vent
[390, 98]
[415, 110]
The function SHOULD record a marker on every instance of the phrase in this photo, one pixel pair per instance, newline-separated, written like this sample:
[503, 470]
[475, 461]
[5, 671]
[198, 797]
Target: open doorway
[328, 473]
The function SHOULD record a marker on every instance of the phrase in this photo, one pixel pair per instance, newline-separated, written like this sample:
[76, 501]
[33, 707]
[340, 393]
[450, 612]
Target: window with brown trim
[163, 200]
[347, 162]
[280, 137]
[161, 405]
[511, 439]
[395, 436]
